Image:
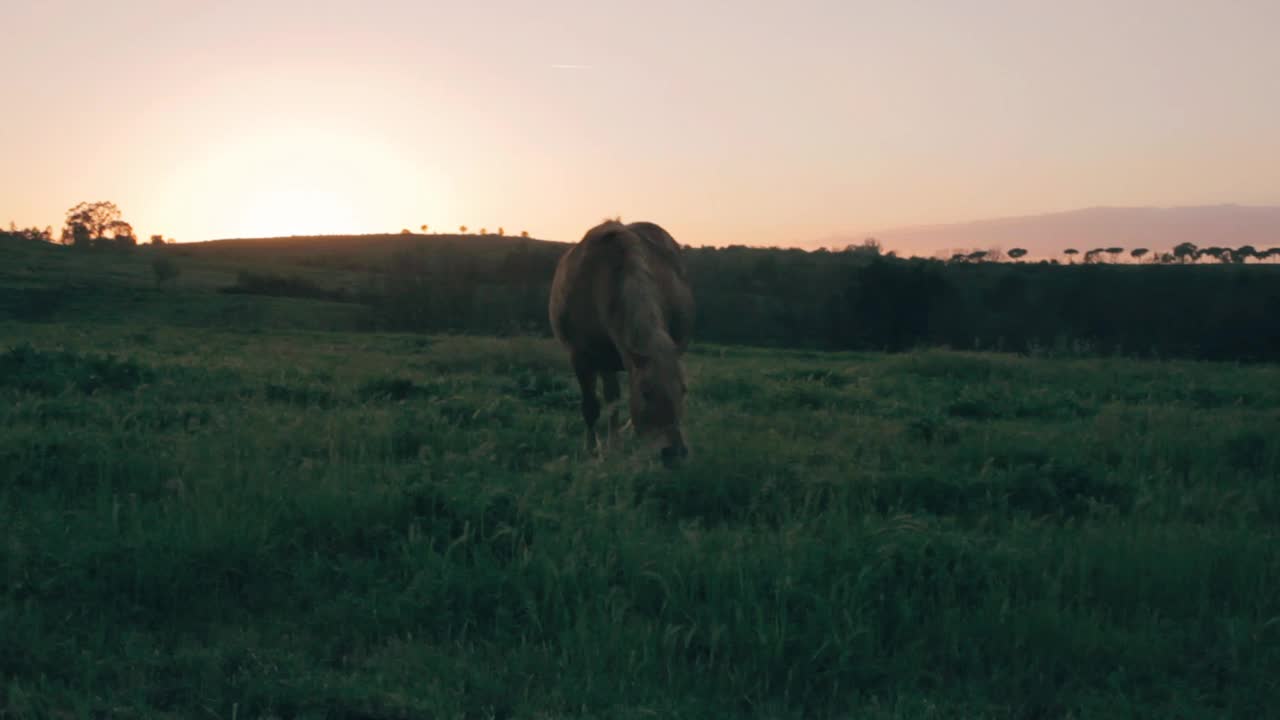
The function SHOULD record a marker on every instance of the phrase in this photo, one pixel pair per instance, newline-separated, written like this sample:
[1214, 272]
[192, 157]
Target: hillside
[745, 296]
[363, 248]
[339, 253]
[1046, 236]
[43, 280]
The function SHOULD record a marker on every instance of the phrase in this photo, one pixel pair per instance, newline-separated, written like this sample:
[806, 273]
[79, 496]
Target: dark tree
[89, 224]
[870, 247]
[1017, 253]
[1185, 252]
[122, 235]
[1071, 253]
[30, 233]
[1137, 253]
[887, 305]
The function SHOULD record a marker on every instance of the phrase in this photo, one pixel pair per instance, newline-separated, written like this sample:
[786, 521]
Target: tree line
[858, 298]
[462, 230]
[1181, 254]
[862, 299]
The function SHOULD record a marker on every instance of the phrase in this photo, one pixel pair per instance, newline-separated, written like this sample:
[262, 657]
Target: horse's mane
[643, 327]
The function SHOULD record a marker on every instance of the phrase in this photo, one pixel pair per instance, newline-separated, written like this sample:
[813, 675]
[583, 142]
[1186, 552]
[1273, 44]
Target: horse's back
[572, 307]
[586, 281]
[659, 243]
[667, 264]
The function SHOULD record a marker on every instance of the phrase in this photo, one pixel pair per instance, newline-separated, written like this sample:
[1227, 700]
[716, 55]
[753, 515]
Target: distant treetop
[97, 224]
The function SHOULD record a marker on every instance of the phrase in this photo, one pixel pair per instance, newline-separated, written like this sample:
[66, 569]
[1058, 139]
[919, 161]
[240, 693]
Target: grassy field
[205, 522]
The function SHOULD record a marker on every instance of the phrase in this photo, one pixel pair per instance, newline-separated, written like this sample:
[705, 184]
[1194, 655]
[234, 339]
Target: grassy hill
[347, 259]
[331, 261]
[40, 281]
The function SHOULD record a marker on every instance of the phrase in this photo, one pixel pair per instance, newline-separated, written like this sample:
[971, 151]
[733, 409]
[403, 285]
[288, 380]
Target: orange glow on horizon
[296, 211]
[280, 181]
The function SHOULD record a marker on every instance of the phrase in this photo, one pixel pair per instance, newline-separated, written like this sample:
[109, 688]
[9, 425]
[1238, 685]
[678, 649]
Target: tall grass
[203, 523]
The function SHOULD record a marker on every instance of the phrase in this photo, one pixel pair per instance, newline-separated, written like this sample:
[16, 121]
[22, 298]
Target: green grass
[208, 523]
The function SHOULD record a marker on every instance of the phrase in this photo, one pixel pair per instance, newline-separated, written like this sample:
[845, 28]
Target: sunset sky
[727, 122]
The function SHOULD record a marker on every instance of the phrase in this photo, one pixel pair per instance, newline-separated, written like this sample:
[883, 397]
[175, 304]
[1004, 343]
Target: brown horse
[620, 301]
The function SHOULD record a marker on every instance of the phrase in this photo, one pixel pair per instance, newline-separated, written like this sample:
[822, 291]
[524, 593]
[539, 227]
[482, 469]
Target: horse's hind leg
[590, 405]
[611, 394]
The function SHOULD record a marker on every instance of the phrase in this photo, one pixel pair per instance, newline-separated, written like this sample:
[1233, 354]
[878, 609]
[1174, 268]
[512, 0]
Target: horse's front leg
[590, 405]
[612, 393]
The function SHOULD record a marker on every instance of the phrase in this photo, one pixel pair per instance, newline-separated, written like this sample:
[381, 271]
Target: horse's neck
[643, 324]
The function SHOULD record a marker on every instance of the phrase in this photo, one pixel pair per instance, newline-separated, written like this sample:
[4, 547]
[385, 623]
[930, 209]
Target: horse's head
[657, 402]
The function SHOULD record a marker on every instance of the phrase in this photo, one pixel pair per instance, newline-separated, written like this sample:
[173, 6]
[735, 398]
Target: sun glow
[297, 211]
[287, 181]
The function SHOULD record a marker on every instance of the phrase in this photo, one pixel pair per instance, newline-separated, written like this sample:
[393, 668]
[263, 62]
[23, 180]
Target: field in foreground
[203, 523]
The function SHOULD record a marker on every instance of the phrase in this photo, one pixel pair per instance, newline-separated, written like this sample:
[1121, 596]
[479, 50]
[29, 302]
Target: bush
[272, 284]
[165, 269]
